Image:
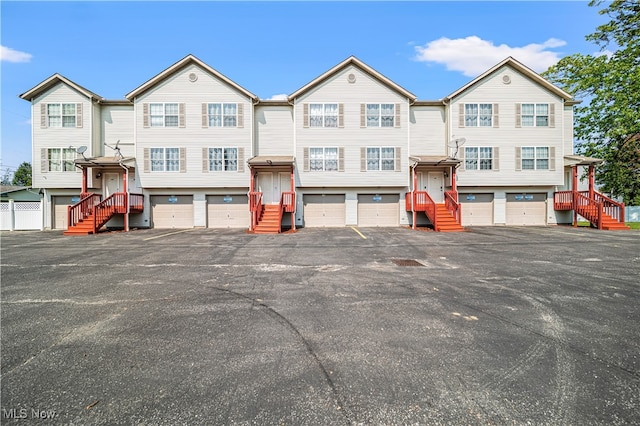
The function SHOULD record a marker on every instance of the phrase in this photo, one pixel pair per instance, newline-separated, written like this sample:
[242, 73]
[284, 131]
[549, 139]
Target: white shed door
[324, 210]
[526, 209]
[378, 210]
[228, 211]
[477, 209]
[172, 211]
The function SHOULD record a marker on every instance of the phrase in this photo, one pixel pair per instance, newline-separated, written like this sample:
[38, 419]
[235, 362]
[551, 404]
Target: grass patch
[632, 225]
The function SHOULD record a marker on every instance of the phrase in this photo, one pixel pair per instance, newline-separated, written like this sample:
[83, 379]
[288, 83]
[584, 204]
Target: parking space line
[359, 233]
[166, 235]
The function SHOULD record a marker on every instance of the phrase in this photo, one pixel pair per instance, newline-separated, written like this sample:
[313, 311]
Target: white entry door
[271, 184]
[111, 184]
[435, 186]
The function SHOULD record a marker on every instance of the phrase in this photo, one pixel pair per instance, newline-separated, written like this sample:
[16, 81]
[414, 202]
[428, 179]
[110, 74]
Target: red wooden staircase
[269, 218]
[446, 221]
[91, 213]
[445, 217]
[601, 211]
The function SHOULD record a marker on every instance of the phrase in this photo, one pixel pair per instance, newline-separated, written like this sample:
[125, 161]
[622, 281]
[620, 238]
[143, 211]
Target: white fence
[21, 215]
[632, 214]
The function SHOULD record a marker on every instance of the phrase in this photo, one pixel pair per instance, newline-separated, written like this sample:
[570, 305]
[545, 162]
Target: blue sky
[272, 48]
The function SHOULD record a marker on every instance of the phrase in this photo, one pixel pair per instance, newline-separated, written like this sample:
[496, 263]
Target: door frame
[437, 194]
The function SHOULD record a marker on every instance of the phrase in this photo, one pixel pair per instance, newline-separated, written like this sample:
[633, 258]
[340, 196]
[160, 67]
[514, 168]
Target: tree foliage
[607, 123]
[22, 175]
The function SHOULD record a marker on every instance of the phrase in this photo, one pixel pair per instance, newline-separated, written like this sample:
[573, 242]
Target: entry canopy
[579, 160]
[104, 161]
[271, 160]
[433, 160]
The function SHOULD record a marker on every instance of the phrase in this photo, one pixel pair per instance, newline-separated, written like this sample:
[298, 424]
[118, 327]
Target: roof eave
[56, 78]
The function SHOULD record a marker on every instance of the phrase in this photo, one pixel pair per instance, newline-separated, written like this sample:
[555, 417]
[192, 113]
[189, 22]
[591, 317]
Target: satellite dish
[116, 148]
[455, 145]
[81, 149]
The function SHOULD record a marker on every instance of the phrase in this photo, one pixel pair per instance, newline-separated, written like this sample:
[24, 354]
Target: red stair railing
[81, 210]
[452, 204]
[102, 212]
[255, 206]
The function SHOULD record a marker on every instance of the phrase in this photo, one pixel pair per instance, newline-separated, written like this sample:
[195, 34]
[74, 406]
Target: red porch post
[293, 199]
[413, 197]
[84, 180]
[574, 189]
[126, 201]
[592, 181]
[454, 183]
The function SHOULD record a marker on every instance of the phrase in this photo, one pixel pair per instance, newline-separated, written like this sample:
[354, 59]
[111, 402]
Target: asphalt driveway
[389, 326]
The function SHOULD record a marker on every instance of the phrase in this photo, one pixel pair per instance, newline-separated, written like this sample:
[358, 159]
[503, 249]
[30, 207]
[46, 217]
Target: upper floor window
[323, 115]
[61, 115]
[223, 159]
[222, 115]
[323, 159]
[535, 115]
[164, 115]
[380, 158]
[380, 115]
[61, 159]
[479, 158]
[478, 115]
[534, 158]
[165, 159]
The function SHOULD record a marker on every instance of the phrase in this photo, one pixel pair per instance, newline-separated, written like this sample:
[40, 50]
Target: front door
[435, 186]
[271, 184]
[111, 183]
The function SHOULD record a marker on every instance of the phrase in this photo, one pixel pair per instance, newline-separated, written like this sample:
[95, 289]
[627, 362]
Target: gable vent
[351, 78]
[193, 77]
[506, 79]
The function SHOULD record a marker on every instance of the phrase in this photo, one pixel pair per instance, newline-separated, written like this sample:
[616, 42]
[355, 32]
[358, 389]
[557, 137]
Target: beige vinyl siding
[178, 88]
[117, 125]
[352, 137]
[507, 137]
[60, 137]
[427, 130]
[274, 130]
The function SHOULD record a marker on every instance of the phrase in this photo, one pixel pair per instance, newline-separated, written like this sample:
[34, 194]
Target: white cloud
[8, 54]
[472, 55]
[280, 97]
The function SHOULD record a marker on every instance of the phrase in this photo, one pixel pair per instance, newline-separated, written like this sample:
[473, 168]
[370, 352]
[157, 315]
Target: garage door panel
[477, 209]
[168, 211]
[378, 210]
[324, 210]
[526, 209]
[60, 209]
[228, 211]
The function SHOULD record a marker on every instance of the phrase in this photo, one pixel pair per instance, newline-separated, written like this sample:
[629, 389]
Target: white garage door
[172, 211]
[228, 211]
[477, 209]
[324, 210]
[378, 210]
[60, 208]
[526, 209]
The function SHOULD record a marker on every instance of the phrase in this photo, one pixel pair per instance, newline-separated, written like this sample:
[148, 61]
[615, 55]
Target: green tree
[607, 124]
[22, 175]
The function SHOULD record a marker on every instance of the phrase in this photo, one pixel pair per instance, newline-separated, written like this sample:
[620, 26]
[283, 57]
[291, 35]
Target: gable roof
[187, 60]
[528, 72]
[54, 80]
[352, 60]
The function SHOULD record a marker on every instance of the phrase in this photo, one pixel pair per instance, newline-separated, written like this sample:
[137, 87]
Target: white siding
[352, 137]
[193, 137]
[59, 137]
[117, 125]
[428, 131]
[507, 136]
[274, 130]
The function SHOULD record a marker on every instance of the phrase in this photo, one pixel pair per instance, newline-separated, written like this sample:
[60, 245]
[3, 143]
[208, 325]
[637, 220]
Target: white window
[535, 158]
[61, 115]
[164, 115]
[223, 159]
[323, 159]
[165, 159]
[323, 115]
[380, 158]
[380, 115]
[222, 115]
[478, 158]
[535, 115]
[478, 115]
[61, 159]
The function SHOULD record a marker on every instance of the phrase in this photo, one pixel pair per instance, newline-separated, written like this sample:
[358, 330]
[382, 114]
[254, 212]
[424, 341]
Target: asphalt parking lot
[373, 326]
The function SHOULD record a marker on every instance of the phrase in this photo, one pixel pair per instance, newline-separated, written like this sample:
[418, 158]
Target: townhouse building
[192, 148]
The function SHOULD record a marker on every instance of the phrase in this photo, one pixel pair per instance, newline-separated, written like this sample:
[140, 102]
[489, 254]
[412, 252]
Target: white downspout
[126, 216]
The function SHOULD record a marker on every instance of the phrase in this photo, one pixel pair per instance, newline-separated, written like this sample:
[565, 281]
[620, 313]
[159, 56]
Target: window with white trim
[534, 158]
[61, 159]
[478, 158]
[165, 159]
[323, 115]
[164, 114]
[478, 115]
[534, 115]
[223, 159]
[61, 115]
[381, 158]
[380, 115]
[222, 114]
[323, 159]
